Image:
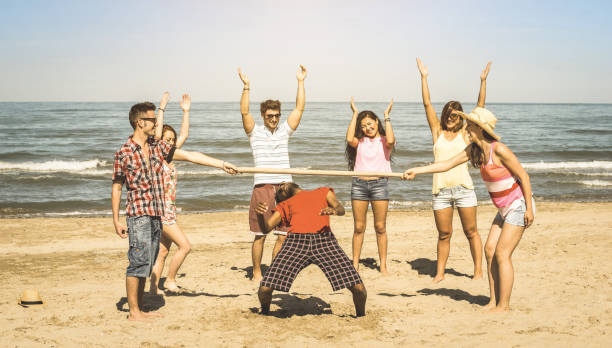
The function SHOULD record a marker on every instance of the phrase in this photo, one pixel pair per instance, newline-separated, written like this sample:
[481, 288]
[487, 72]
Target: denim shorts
[370, 190]
[516, 216]
[458, 196]
[144, 233]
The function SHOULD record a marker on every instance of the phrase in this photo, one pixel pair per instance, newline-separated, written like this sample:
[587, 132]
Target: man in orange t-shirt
[309, 240]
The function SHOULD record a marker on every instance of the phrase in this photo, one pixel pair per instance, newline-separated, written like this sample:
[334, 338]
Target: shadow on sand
[428, 267]
[293, 306]
[457, 295]
[149, 303]
[248, 271]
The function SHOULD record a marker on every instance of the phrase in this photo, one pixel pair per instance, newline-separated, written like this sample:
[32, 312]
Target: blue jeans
[144, 233]
[516, 216]
[370, 190]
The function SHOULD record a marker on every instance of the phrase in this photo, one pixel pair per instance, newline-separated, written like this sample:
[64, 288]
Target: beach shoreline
[562, 292]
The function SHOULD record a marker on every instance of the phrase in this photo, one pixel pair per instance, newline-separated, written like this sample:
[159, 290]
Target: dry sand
[562, 292]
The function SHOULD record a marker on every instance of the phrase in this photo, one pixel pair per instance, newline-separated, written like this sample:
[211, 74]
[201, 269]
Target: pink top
[502, 186]
[373, 155]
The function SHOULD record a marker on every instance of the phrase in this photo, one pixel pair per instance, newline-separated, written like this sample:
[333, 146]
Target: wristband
[163, 110]
[223, 165]
[387, 119]
[245, 89]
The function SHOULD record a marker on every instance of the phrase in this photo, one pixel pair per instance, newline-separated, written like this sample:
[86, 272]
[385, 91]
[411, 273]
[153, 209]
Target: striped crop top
[502, 186]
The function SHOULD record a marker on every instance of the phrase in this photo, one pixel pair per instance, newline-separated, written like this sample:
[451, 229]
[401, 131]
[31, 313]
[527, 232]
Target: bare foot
[256, 278]
[385, 272]
[477, 276]
[498, 309]
[438, 278]
[489, 306]
[171, 286]
[138, 316]
[356, 267]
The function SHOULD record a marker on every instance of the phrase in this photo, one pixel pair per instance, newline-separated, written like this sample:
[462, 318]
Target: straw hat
[484, 118]
[30, 298]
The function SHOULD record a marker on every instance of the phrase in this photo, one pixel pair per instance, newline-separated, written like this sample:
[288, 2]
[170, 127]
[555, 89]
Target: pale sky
[542, 51]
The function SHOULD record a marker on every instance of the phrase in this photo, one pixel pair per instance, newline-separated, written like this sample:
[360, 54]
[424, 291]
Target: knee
[358, 289]
[444, 235]
[359, 228]
[470, 232]
[489, 251]
[264, 291]
[502, 256]
[186, 248]
[163, 252]
[380, 228]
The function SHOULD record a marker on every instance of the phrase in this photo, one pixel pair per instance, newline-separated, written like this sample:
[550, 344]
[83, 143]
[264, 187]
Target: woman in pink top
[171, 233]
[368, 148]
[510, 190]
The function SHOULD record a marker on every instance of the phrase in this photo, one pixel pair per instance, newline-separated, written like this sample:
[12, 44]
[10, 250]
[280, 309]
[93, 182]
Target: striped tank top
[502, 186]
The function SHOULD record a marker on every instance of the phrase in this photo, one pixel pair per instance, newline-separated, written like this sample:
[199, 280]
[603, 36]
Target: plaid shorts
[302, 249]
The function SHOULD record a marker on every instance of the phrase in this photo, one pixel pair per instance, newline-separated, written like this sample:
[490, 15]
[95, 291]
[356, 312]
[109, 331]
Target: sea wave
[568, 165]
[52, 166]
[595, 183]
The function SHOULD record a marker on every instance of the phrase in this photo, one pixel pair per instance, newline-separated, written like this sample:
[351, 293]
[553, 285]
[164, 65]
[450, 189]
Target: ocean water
[56, 158]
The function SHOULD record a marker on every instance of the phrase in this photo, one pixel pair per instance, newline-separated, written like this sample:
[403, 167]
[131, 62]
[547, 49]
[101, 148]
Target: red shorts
[264, 193]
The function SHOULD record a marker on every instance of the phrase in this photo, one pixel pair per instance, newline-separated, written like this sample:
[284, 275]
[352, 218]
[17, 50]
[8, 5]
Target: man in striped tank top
[270, 145]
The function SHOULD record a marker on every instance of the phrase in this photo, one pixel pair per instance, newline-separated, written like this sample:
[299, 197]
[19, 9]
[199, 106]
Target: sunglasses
[273, 116]
[152, 119]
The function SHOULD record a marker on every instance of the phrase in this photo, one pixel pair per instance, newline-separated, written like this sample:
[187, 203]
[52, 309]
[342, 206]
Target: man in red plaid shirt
[138, 165]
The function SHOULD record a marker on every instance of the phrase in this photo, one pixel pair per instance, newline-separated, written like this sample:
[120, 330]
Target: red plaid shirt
[144, 182]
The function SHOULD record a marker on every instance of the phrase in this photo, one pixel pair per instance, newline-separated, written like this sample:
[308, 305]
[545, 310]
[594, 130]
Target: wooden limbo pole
[315, 172]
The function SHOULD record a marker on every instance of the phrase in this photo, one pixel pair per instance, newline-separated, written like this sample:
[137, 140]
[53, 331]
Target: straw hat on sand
[30, 298]
[484, 118]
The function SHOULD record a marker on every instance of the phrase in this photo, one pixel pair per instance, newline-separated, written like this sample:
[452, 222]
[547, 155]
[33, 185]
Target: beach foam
[568, 165]
[52, 166]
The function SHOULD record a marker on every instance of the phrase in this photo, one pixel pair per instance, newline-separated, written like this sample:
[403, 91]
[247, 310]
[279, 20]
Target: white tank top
[443, 150]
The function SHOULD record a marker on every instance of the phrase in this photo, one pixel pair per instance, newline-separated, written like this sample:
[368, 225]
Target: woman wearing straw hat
[453, 188]
[510, 190]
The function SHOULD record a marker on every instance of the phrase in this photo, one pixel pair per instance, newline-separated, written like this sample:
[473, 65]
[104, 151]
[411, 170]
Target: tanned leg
[508, 240]
[444, 224]
[380, 209]
[359, 298]
[265, 298]
[492, 273]
[257, 252]
[179, 238]
[277, 246]
[468, 221]
[131, 286]
[164, 248]
[360, 209]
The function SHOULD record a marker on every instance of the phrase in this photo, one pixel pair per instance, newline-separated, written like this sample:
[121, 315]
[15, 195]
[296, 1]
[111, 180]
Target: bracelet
[223, 165]
[245, 89]
[387, 119]
[163, 110]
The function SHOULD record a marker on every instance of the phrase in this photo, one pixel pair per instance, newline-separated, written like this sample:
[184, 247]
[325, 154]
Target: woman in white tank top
[454, 187]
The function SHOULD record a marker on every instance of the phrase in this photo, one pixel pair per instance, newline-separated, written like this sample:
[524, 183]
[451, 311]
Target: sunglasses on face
[152, 119]
[270, 116]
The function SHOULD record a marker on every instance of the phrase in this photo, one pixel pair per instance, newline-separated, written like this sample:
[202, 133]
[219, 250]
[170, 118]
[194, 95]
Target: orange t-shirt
[301, 213]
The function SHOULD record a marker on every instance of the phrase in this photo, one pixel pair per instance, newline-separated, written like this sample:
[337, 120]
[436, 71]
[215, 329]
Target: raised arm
[205, 160]
[482, 95]
[184, 133]
[438, 167]
[300, 100]
[266, 225]
[247, 119]
[335, 207]
[350, 132]
[430, 112]
[159, 125]
[509, 160]
[388, 128]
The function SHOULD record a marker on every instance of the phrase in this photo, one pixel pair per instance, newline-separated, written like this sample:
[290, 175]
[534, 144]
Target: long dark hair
[350, 153]
[477, 156]
[446, 111]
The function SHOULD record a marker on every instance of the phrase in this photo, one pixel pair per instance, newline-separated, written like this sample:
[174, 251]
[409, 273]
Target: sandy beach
[562, 293]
